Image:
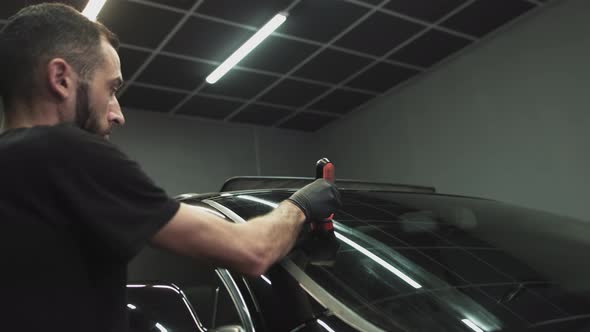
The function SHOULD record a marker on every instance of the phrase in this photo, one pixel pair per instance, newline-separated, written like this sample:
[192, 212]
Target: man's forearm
[276, 232]
[252, 247]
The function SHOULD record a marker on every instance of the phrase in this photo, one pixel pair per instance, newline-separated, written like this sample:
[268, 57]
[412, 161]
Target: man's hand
[318, 200]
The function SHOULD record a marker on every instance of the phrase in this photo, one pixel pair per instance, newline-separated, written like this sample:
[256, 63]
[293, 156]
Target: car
[409, 259]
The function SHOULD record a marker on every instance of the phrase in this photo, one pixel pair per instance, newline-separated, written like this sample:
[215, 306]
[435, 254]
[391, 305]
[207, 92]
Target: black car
[409, 259]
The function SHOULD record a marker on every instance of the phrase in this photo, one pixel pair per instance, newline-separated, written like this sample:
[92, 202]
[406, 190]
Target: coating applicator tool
[321, 244]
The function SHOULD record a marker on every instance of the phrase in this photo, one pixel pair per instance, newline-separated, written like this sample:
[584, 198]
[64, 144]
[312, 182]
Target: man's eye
[117, 90]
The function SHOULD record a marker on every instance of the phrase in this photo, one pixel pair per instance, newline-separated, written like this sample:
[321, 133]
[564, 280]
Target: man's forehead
[111, 55]
[116, 58]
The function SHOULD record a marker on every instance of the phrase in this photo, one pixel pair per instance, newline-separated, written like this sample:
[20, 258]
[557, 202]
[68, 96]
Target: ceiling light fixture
[472, 325]
[136, 286]
[93, 8]
[266, 279]
[248, 46]
[325, 326]
[161, 328]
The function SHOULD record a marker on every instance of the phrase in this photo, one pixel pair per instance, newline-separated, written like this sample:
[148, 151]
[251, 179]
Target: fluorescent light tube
[472, 325]
[266, 279]
[325, 326]
[245, 49]
[93, 8]
[161, 328]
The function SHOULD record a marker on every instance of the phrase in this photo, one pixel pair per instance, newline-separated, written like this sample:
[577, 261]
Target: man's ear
[60, 78]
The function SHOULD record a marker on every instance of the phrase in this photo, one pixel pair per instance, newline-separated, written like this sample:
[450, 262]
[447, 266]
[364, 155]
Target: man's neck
[26, 116]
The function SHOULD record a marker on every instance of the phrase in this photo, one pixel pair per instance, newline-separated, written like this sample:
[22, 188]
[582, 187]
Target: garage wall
[509, 119]
[187, 155]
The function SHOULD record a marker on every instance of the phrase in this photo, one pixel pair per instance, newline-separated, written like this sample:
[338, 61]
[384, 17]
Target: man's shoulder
[46, 134]
[41, 137]
[74, 141]
[69, 132]
[71, 137]
[63, 140]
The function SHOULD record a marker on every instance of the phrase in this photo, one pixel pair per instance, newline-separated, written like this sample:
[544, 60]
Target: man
[73, 208]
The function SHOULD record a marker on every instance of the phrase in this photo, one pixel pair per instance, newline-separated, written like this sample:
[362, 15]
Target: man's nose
[116, 114]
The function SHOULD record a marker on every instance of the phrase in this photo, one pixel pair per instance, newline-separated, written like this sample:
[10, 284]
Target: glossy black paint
[505, 267]
[525, 268]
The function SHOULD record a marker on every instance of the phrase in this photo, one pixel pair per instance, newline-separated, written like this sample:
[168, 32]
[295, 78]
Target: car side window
[214, 303]
[207, 305]
[158, 307]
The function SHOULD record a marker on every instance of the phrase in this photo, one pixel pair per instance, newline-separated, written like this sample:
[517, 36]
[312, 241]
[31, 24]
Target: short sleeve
[114, 205]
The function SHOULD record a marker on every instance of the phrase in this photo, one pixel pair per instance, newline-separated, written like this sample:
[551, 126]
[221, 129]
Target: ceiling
[329, 58]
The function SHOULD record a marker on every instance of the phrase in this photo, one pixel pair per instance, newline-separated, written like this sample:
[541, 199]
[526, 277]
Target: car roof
[282, 182]
[196, 197]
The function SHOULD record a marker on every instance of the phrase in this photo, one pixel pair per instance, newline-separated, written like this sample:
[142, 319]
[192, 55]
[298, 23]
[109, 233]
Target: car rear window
[479, 264]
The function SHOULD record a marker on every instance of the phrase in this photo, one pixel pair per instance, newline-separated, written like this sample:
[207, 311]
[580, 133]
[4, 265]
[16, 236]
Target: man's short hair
[39, 33]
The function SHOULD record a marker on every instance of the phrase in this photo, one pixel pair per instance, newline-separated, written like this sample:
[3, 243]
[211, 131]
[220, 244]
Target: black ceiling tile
[430, 48]
[240, 84]
[341, 101]
[138, 24]
[379, 34]
[321, 20]
[207, 39]
[332, 66]
[150, 99]
[382, 77]
[250, 12]
[428, 10]
[182, 4]
[307, 121]
[9, 8]
[484, 16]
[293, 93]
[131, 60]
[177, 73]
[260, 115]
[278, 54]
[209, 107]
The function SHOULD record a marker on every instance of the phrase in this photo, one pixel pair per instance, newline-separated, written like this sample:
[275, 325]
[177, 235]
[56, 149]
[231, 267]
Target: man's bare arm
[249, 248]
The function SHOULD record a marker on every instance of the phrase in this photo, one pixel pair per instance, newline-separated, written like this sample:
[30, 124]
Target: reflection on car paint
[482, 265]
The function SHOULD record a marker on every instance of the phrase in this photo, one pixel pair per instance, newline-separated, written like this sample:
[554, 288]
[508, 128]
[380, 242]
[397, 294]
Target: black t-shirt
[73, 211]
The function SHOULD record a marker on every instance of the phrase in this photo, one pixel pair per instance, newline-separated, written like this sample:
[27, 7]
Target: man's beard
[85, 117]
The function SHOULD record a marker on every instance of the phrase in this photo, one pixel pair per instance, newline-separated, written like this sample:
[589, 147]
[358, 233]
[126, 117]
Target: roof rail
[278, 182]
[194, 196]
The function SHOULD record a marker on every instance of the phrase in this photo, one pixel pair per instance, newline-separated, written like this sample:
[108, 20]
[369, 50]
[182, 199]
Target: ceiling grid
[330, 57]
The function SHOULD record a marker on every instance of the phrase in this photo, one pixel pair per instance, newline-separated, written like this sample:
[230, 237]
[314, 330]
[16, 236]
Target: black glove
[318, 200]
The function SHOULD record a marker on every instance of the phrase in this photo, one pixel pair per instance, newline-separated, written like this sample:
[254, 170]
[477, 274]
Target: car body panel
[414, 261]
[480, 262]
